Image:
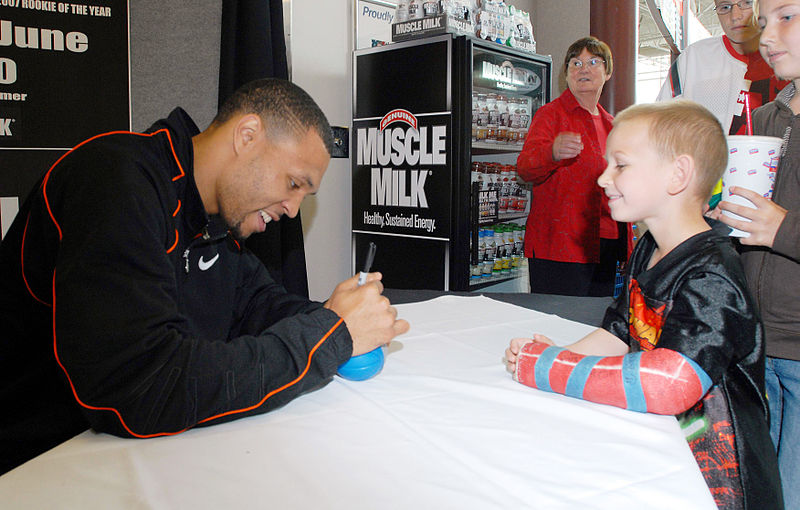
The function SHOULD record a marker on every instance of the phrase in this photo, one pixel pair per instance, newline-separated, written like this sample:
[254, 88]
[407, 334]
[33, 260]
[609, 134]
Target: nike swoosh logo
[203, 265]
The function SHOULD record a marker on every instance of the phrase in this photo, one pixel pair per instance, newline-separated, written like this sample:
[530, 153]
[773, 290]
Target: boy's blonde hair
[684, 127]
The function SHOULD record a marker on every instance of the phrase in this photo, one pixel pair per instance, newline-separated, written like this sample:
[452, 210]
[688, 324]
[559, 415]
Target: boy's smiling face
[780, 36]
[636, 178]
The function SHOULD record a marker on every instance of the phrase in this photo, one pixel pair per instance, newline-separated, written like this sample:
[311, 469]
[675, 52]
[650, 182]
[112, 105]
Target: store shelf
[479, 283]
[511, 216]
[478, 147]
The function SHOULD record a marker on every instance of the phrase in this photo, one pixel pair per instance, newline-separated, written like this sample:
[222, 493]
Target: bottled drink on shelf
[502, 110]
[401, 12]
[517, 250]
[415, 9]
[491, 133]
[497, 268]
[489, 254]
[505, 190]
[508, 245]
[492, 108]
[431, 8]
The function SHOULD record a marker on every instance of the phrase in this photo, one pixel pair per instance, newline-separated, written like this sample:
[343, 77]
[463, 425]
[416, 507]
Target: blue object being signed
[369, 364]
[363, 366]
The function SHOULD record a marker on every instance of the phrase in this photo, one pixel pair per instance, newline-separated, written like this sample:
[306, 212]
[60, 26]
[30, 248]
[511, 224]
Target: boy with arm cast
[685, 338]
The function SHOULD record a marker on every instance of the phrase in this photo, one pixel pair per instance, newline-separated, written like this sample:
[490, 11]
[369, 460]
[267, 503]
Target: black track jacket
[125, 308]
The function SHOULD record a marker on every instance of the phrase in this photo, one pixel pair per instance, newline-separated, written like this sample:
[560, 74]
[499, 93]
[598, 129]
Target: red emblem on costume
[645, 322]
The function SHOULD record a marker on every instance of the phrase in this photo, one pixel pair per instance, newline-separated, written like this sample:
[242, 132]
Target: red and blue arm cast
[661, 381]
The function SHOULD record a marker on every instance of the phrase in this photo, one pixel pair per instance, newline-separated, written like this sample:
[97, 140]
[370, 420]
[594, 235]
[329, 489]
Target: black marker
[362, 276]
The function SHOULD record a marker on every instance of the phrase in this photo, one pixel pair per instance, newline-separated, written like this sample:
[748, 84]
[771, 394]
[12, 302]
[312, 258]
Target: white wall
[321, 52]
[556, 25]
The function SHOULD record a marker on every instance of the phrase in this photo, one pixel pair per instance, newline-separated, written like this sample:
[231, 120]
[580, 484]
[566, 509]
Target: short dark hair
[594, 46]
[282, 105]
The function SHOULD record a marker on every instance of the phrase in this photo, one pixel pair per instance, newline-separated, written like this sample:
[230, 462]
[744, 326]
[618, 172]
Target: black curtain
[253, 47]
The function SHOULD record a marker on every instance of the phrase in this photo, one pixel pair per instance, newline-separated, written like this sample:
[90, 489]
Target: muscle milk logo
[408, 145]
[507, 76]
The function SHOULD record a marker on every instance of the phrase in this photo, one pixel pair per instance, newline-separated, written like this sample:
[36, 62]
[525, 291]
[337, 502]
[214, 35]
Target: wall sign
[373, 25]
[64, 77]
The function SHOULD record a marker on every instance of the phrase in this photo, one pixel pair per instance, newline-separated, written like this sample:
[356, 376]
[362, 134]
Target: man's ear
[247, 132]
[683, 173]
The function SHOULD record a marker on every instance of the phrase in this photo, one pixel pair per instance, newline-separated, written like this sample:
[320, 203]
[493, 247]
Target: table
[588, 310]
[443, 426]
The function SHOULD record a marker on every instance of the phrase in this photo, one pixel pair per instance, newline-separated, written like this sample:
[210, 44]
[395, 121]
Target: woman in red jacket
[571, 241]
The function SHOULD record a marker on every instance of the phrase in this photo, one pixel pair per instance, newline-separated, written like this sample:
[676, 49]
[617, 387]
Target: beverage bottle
[513, 112]
[475, 172]
[508, 243]
[489, 176]
[492, 108]
[430, 8]
[497, 269]
[414, 9]
[491, 252]
[502, 108]
[502, 119]
[505, 189]
[401, 12]
[517, 247]
[483, 111]
[524, 191]
[485, 254]
[513, 193]
[477, 267]
[484, 172]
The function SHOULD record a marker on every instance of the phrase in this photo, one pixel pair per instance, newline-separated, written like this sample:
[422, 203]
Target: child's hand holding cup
[752, 164]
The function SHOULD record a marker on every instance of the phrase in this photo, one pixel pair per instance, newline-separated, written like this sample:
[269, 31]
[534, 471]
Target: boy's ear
[683, 172]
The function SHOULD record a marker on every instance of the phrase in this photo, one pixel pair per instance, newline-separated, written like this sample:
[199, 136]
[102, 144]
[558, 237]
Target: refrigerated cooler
[437, 127]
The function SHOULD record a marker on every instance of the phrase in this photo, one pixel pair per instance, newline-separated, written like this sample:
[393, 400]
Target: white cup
[752, 163]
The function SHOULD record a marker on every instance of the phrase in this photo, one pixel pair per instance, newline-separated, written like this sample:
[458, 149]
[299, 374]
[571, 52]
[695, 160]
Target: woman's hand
[566, 145]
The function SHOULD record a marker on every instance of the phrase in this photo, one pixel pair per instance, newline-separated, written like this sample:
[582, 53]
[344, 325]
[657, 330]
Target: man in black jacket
[127, 302]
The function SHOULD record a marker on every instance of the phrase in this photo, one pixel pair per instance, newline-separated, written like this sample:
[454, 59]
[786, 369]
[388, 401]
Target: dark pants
[576, 279]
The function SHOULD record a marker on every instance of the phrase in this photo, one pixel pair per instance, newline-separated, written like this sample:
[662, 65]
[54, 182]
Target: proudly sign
[373, 24]
[402, 176]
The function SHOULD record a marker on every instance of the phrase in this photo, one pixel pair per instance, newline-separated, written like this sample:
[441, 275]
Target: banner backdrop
[64, 77]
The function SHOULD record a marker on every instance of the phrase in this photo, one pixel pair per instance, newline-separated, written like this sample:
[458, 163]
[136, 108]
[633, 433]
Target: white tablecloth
[443, 426]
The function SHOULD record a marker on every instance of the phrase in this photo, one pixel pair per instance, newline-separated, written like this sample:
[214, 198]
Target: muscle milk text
[399, 147]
